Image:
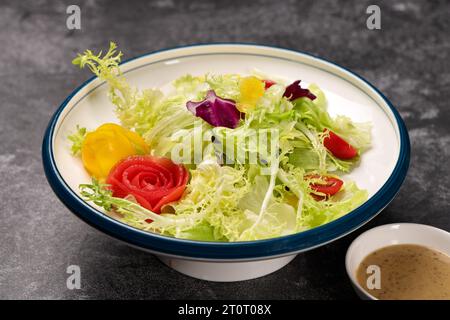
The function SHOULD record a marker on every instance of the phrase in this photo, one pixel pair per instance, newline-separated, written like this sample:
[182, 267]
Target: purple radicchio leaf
[216, 111]
[295, 91]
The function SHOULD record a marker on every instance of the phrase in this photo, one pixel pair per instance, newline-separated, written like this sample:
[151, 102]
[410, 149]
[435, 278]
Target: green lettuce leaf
[77, 139]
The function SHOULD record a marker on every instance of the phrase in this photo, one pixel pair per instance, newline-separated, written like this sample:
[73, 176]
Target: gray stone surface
[39, 237]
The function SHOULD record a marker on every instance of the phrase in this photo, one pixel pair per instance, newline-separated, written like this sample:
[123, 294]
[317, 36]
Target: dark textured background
[408, 59]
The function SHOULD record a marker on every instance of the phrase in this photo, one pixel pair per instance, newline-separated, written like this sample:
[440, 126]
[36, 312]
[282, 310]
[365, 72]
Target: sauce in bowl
[405, 271]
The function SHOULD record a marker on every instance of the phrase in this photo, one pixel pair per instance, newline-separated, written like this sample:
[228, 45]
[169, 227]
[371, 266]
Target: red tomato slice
[339, 147]
[327, 185]
[268, 83]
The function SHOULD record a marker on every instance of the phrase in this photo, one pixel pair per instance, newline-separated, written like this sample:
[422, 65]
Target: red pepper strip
[328, 185]
[338, 147]
[268, 83]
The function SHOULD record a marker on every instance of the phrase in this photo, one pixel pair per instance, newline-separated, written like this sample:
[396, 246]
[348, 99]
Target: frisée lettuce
[254, 173]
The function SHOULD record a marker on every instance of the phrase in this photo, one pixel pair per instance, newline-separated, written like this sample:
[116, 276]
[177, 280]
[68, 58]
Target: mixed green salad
[220, 157]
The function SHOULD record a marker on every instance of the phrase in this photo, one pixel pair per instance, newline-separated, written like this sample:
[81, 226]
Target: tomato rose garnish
[152, 181]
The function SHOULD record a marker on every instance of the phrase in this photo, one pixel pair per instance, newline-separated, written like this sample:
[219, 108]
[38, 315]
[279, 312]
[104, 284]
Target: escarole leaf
[191, 87]
[316, 213]
[266, 217]
[136, 110]
[215, 191]
[315, 117]
[225, 86]
[310, 212]
[77, 139]
[147, 112]
[106, 67]
[357, 134]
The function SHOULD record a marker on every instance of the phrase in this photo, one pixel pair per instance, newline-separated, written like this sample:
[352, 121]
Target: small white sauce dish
[387, 235]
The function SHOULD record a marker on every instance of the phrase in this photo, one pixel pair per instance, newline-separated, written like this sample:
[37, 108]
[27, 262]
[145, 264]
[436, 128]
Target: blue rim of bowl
[245, 250]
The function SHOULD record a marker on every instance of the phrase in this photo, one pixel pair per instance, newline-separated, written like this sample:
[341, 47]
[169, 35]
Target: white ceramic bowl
[382, 170]
[391, 234]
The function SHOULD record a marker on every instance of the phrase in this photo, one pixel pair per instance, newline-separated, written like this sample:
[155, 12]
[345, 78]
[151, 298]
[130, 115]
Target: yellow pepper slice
[251, 89]
[106, 146]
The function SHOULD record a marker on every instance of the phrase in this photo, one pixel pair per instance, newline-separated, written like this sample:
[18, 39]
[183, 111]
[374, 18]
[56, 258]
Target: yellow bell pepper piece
[251, 89]
[106, 146]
